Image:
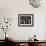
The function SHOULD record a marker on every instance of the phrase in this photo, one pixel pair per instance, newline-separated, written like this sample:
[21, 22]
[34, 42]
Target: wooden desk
[2, 42]
[31, 43]
[26, 43]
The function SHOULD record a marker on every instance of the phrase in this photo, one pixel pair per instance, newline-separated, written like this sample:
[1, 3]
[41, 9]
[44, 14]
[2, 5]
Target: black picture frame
[26, 20]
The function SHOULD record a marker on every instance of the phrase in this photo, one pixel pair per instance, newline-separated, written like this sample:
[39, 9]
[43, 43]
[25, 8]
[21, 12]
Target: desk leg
[25, 44]
[17, 44]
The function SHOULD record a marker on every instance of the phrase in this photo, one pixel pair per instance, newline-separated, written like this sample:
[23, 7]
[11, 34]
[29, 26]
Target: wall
[11, 8]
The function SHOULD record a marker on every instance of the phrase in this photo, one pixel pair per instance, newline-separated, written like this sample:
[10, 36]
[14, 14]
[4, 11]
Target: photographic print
[25, 20]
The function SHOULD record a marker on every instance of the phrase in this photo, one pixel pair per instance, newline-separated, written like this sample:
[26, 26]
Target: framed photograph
[25, 19]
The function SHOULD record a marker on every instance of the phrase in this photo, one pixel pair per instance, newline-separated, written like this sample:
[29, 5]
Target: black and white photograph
[25, 19]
